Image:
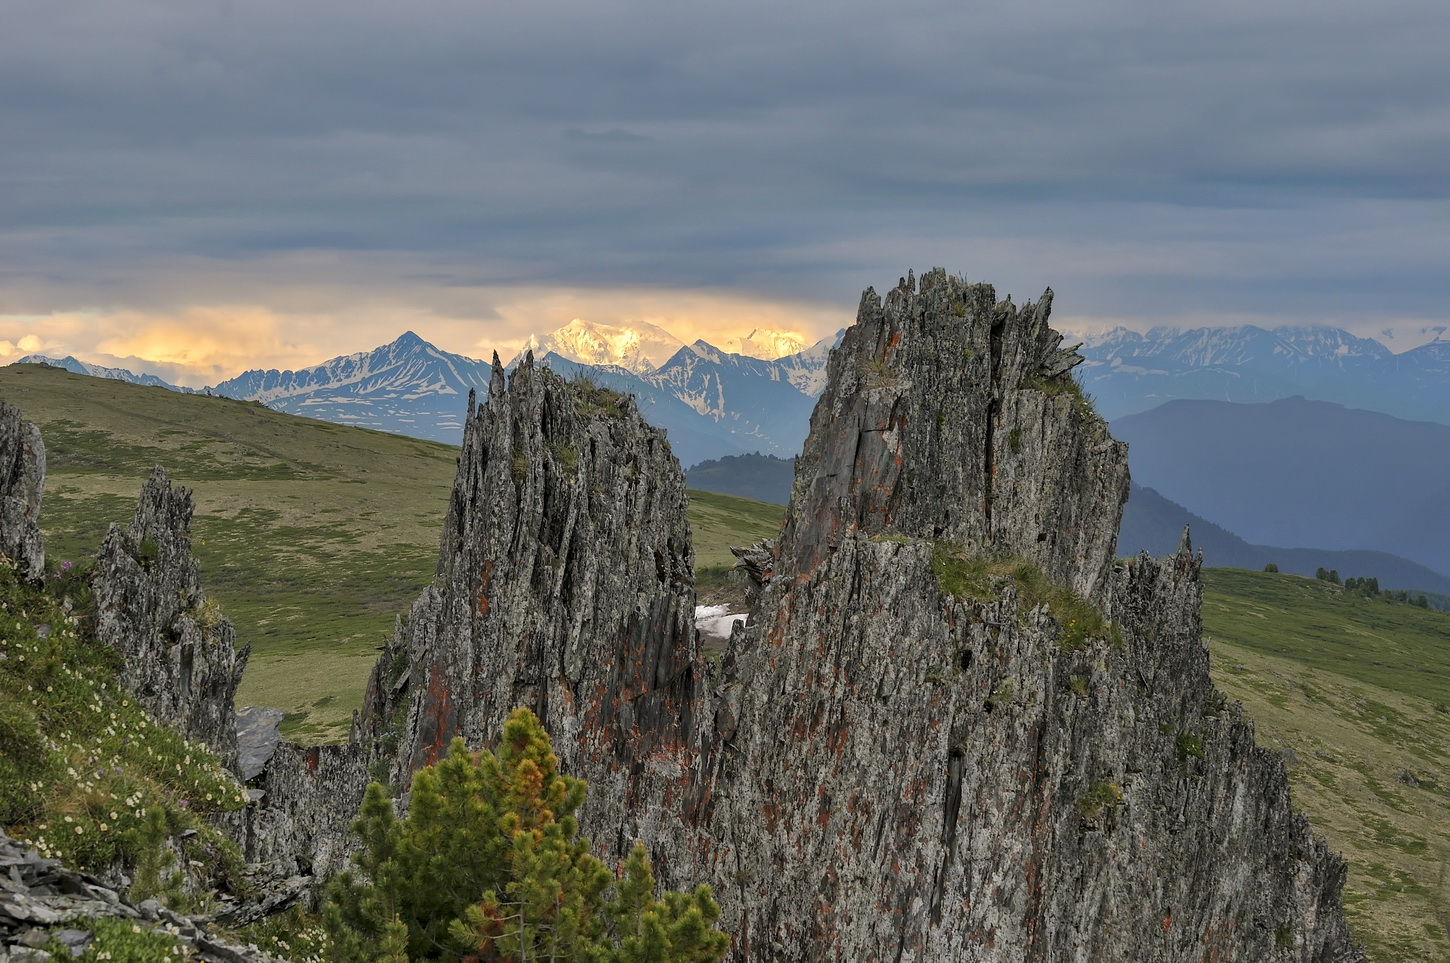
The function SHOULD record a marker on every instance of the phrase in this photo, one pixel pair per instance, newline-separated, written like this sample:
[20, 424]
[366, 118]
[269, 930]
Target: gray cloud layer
[1149, 160]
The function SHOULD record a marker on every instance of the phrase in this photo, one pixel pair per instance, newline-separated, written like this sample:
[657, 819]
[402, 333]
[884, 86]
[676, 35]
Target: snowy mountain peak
[767, 344]
[409, 341]
[708, 351]
[637, 347]
[1234, 346]
[76, 366]
[1109, 338]
[408, 386]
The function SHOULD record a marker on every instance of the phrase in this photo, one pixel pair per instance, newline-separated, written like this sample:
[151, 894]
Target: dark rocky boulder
[178, 652]
[22, 478]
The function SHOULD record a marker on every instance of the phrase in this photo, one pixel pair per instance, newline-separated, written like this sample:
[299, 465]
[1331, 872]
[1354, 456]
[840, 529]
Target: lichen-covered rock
[22, 478]
[178, 651]
[954, 727]
[906, 764]
[951, 415]
[899, 773]
[302, 804]
[564, 584]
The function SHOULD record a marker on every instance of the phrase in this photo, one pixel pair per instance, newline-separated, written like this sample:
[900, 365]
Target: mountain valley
[1387, 897]
[716, 403]
[1302, 474]
[1388, 754]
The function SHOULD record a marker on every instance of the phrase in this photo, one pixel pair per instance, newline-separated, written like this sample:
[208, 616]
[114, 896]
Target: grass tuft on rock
[965, 575]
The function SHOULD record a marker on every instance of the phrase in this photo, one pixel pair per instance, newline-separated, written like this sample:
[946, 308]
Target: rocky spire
[921, 750]
[952, 416]
[954, 728]
[22, 477]
[564, 583]
[178, 652]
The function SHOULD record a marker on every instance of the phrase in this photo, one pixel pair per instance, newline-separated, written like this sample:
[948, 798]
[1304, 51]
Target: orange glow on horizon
[198, 345]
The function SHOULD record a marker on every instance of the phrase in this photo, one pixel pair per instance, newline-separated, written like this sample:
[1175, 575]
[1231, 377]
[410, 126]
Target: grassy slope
[85, 775]
[719, 521]
[313, 536]
[1358, 692]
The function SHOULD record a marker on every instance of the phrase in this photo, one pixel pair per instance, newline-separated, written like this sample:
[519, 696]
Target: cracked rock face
[22, 477]
[953, 416]
[179, 655]
[887, 762]
[896, 772]
[564, 584]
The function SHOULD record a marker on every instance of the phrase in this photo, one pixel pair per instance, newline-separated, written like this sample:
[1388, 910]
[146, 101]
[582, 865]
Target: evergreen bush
[488, 865]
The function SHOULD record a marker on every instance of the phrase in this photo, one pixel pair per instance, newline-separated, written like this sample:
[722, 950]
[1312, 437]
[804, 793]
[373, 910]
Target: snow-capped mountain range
[638, 347]
[717, 402]
[712, 402]
[408, 387]
[1127, 372]
[76, 366]
[766, 344]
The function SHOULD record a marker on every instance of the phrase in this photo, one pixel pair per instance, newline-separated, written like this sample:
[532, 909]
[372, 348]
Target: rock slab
[41, 900]
[22, 478]
[178, 652]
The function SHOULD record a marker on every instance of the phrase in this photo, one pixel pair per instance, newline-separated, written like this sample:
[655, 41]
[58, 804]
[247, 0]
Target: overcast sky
[198, 187]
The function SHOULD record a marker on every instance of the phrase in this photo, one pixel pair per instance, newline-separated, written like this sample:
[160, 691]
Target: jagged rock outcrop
[901, 756]
[954, 416]
[41, 900]
[564, 584]
[302, 804]
[22, 478]
[895, 772]
[904, 772]
[178, 652]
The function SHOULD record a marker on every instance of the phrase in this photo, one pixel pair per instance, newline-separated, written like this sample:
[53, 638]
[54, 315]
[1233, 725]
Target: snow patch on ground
[714, 622]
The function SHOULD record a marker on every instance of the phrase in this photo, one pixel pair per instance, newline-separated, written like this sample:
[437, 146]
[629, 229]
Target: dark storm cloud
[1289, 154]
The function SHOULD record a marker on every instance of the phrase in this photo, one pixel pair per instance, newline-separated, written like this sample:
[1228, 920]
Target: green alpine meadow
[314, 538]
